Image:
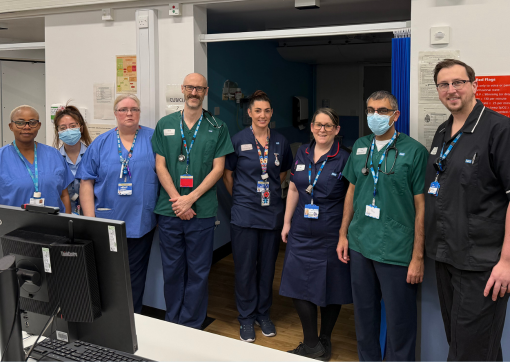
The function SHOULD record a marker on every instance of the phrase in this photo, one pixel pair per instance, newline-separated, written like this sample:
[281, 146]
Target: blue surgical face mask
[70, 136]
[378, 123]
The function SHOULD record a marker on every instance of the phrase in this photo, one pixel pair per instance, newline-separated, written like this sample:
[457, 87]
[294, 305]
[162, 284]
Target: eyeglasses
[63, 127]
[127, 110]
[327, 127]
[21, 123]
[458, 84]
[190, 88]
[381, 111]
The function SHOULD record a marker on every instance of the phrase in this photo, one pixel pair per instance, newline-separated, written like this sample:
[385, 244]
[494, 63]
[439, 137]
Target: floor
[222, 308]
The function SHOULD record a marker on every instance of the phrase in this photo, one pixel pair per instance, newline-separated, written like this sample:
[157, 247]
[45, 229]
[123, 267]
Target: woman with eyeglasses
[32, 172]
[72, 135]
[119, 181]
[312, 274]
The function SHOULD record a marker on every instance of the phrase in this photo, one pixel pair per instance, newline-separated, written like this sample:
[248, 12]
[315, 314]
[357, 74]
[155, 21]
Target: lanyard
[449, 149]
[316, 177]
[263, 160]
[124, 169]
[374, 174]
[35, 179]
[192, 141]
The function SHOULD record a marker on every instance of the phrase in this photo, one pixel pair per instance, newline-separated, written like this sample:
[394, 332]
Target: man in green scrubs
[383, 228]
[190, 151]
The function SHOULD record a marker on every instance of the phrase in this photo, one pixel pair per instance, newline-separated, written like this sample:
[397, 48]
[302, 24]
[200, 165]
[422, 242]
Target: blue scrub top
[101, 163]
[74, 187]
[244, 161]
[17, 186]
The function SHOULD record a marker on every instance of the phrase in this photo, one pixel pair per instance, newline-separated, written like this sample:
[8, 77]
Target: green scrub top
[211, 143]
[390, 238]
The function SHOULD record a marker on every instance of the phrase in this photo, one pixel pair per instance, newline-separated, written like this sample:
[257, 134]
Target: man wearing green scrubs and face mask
[382, 234]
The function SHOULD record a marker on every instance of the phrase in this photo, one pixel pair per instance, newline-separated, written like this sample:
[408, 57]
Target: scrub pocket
[102, 213]
[485, 239]
[336, 186]
[398, 242]
[209, 149]
[398, 179]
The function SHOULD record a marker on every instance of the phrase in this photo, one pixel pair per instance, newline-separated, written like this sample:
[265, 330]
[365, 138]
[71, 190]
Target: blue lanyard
[263, 160]
[449, 149]
[124, 169]
[192, 140]
[374, 174]
[316, 177]
[35, 179]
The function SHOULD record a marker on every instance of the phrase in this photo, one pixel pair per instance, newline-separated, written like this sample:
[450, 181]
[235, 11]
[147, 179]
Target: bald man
[190, 151]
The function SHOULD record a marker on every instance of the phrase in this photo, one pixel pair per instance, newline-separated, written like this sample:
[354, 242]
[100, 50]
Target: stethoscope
[393, 146]
[181, 157]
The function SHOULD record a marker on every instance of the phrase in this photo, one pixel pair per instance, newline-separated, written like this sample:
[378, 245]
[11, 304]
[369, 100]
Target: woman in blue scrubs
[253, 176]
[31, 172]
[71, 130]
[119, 181]
[312, 274]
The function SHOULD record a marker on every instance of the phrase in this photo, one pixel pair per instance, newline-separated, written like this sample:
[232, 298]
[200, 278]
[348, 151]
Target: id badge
[265, 198]
[186, 181]
[38, 202]
[311, 211]
[373, 211]
[434, 188]
[125, 189]
[262, 186]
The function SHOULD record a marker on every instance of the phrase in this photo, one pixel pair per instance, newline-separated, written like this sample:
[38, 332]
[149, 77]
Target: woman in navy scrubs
[119, 181]
[312, 274]
[253, 176]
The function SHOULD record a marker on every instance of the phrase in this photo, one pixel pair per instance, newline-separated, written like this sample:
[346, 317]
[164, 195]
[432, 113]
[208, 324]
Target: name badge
[38, 202]
[311, 211]
[262, 186]
[264, 199]
[300, 167]
[361, 151]
[434, 188]
[434, 151]
[186, 181]
[373, 211]
[169, 132]
[125, 189]
[247, 147]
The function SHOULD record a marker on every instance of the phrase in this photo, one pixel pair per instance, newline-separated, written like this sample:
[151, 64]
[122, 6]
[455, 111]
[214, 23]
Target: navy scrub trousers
[186, 253]
[375, 280]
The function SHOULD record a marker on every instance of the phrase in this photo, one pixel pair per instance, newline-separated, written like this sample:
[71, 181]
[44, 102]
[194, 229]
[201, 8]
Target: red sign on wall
[494, 92]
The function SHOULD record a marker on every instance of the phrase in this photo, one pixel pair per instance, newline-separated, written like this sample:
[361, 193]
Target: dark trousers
[186, 253]
[473, 323]
[254, 252]
[372, 281]
[139, 250]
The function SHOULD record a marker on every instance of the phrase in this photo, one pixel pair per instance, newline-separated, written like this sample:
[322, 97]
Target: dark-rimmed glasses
[381, 111]
[327, 127]
[126, 110]
[458, 84]
[199, 89]
[21, 123]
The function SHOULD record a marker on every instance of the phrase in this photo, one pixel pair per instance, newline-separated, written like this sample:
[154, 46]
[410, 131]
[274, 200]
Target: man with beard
[190, 151]
[466, 216]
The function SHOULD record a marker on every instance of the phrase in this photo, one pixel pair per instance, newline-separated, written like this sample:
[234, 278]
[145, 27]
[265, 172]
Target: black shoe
[326, 343]
[304, 350]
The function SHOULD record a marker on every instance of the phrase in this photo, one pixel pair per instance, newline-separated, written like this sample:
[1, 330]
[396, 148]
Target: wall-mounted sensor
[107, 14]
[440, 35]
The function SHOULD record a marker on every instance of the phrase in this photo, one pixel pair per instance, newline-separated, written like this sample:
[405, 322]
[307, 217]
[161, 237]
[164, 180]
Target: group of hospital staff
[356, 221]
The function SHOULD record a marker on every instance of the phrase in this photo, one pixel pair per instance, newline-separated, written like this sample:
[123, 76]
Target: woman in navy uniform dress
[253, 176]
[312, 274]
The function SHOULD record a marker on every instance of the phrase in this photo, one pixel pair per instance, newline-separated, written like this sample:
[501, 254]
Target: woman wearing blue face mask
[72, 135]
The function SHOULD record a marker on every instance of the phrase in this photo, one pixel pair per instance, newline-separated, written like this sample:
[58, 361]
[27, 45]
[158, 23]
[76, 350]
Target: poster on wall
[126, 74]
[494, 92]
[174, 98]
[98, 129]
[104, 95]
[430, 117]
[427, 92]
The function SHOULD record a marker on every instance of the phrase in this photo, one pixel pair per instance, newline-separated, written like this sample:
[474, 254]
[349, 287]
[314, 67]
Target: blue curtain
[400, 78]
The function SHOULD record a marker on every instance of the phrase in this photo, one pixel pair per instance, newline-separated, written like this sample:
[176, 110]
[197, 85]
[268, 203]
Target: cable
[53, 314]
[16, 315]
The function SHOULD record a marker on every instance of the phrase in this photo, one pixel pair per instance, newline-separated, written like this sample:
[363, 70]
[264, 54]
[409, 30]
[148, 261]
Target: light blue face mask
[378, 123]
[70, 136]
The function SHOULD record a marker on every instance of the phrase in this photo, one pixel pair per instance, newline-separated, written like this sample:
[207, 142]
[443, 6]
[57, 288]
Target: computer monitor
[105, 318]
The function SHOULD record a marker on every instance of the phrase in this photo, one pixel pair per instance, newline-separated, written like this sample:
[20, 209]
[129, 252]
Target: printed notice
[113, 238]
[427, 62]
[126, 74]
[104, 95]
[46, 260]
[494, 92]
[430, 117]
[98, 129]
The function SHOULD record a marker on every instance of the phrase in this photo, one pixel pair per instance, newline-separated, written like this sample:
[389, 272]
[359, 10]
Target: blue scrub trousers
[186, 253]
[254, 252]
[139, 250]
[370, 281]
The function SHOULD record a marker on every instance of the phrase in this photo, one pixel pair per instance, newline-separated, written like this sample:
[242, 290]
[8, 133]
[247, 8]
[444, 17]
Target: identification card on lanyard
[36, 199]
[123, 188]
[263, 184]
[186, 180]
[265, 198]
[311, 210]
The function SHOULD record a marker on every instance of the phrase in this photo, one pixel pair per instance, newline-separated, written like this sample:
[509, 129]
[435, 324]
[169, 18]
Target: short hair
[382, 94]
[74, 113]
[448, 63]
[126, 96]
[330, 112]
[19, 108]
[259, 96]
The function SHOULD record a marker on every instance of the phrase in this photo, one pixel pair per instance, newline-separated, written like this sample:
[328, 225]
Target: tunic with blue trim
[74, 187]
[101, 163]
[311, 269]
[17, 186]
[244, 161]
